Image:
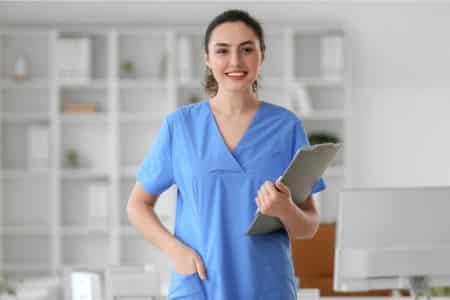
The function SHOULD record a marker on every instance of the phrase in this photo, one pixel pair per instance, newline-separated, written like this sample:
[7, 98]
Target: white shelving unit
[45, 223]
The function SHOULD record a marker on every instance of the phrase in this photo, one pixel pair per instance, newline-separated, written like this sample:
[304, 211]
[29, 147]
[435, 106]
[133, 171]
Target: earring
[209, 71]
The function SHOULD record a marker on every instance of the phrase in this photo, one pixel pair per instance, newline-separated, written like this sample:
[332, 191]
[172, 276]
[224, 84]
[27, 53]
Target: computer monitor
[393, 238]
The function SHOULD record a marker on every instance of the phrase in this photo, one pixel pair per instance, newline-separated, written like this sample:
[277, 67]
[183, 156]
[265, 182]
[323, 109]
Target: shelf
[84, 174]
[23, 173]
[141, 117]
[84, 230]
[88, 84]
[26, 267]
[24, 230]
[143, 83]
[25, 84]
[82, 118]
[112, 141]
[25, 117]
[84, 267]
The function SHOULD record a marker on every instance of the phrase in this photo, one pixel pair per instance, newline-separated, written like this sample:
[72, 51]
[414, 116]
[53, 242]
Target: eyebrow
[228, 45]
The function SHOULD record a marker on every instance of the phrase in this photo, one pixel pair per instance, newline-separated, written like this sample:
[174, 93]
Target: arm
[141, 214]
[301, 223]
[275, 200]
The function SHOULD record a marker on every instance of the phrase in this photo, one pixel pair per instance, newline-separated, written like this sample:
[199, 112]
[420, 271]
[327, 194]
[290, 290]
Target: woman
[224, 154]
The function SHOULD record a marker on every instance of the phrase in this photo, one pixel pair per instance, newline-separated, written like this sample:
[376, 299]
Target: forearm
[147, 222]
[300, 224]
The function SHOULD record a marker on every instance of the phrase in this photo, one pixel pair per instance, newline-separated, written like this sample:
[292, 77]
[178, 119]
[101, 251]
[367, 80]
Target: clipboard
[305, 169]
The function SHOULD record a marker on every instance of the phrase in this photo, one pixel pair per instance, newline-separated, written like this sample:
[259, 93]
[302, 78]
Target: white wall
[401, 91]
[401, 72]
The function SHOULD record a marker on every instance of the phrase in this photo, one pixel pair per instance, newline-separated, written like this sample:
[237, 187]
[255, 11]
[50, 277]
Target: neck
[234, 103]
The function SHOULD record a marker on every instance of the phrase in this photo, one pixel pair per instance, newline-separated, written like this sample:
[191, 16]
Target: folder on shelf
[305, 169]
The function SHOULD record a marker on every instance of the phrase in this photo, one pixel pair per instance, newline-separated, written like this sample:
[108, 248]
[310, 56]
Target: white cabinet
[137, 76]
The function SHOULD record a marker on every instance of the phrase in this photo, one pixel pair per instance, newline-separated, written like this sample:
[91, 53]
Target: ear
[206, 59]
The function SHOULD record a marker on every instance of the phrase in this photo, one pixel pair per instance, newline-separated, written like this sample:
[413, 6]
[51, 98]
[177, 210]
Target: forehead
[232, 33]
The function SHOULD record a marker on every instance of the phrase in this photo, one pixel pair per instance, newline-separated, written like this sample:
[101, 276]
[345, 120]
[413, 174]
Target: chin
[238, 87]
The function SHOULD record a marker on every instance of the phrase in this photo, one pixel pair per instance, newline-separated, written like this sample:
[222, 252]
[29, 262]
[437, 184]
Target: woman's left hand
[274, 202]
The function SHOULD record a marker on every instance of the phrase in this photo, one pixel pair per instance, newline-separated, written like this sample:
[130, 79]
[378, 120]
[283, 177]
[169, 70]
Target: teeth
[236, 74]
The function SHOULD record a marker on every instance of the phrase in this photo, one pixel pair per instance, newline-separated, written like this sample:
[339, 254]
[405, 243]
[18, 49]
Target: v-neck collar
[231, 153]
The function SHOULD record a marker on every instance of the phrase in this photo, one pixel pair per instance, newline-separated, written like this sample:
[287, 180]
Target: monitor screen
[390, 238]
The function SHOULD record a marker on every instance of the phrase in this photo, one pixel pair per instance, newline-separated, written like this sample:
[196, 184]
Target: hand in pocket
[188, 262]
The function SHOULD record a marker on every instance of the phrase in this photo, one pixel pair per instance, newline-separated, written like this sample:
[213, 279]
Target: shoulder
[280, 113]
[186, 112]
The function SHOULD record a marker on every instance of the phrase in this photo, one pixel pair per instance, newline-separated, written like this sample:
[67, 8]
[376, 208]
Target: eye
[221, 51]
[248, 50]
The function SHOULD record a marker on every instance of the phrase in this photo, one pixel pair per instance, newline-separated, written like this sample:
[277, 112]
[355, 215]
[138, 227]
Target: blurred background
[84, 86]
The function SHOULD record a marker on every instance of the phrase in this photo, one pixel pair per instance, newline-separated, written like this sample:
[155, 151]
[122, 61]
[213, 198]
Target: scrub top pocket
[186, 287]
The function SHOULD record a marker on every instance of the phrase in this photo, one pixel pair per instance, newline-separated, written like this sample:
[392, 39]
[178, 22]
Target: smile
[236, 75]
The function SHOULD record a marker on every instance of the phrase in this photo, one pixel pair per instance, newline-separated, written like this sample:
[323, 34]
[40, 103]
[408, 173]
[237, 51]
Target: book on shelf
[332, 55]
[70, 107]
[98, 204]
[38, 146]
[73, 60]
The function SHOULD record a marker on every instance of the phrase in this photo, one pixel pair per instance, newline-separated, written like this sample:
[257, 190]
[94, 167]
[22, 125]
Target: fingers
[268, 189]
[281, 186]
[265, 195]
[200, 267]
[261, 204]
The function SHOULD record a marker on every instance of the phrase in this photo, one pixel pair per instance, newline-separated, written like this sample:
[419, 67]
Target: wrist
[288, 209]
[173, 247]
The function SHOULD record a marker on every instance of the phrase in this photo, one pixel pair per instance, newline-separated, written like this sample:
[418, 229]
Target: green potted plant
[72, 159]
[128, 68]
[320, 137]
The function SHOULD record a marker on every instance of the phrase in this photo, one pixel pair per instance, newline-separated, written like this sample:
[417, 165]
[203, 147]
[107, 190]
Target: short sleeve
[301, 139]
[155, 173]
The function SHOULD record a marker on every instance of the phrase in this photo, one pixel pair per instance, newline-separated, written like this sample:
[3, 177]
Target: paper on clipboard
[305, 169]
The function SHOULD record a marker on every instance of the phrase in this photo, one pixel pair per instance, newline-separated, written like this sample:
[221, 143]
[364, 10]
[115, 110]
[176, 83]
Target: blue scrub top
[216, 199]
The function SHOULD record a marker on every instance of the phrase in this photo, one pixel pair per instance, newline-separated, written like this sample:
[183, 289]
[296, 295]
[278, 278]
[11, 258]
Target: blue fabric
[216, 199]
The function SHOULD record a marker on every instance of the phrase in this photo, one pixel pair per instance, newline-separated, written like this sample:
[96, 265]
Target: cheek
[218, 62]
[254, 63]
[218, 68]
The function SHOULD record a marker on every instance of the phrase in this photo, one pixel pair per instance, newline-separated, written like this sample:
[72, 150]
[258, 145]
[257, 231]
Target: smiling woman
[220, 46]
[225, 154]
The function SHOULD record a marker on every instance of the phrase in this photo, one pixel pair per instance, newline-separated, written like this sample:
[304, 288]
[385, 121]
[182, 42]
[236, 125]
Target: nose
[235, 58]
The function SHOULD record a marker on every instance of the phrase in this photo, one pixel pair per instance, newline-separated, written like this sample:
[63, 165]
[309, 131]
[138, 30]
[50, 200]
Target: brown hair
[233, 15]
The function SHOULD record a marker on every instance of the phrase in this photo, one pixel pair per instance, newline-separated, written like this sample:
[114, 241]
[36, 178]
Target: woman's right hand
[187, 261]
